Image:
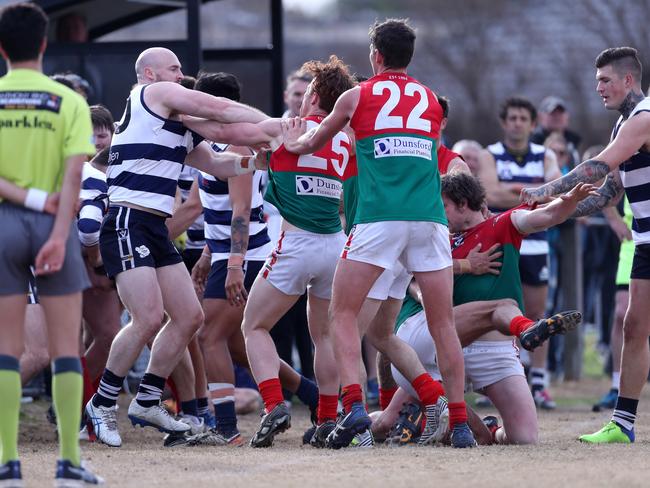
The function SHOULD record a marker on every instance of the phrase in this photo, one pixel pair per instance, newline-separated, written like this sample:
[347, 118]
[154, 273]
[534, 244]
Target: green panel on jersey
[410, 307]
[310, 202]
[473, 288]
[507, 284]
[398, 179]
[350, 200]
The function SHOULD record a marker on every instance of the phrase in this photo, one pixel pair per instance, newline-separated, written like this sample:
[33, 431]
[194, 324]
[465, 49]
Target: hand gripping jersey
[527, 169]
[396, 124]
[146, 156]
[306, 188]
[472, 288]
[635, 175]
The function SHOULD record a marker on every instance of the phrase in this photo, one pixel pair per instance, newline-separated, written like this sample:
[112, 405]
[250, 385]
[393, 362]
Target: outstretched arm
[238, 134]
[297, 141]
[556, 212]
[179, 100]
[607, 195]
[225, 164]
[632, 136]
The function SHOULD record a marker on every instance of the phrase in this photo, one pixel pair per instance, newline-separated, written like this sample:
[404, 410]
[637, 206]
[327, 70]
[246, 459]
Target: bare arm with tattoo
[240, 193]
[633, 136]
[609, 194]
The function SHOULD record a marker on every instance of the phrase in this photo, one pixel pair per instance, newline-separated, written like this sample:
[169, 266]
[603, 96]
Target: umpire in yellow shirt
[45, 137]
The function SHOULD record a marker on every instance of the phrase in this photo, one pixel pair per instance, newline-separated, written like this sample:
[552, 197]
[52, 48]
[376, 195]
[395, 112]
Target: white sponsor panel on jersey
[318, 186]
[403, 146]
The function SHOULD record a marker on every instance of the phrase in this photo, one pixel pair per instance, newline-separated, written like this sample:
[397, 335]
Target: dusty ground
[558, 461]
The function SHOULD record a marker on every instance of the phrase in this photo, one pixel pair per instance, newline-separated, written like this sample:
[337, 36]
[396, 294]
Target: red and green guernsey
[306, 188]
[396, 124]
[498, 229]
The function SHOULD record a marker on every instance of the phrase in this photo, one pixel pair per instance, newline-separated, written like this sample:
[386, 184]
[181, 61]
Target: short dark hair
[101, 158]
[188, 82]
[517, 102]
[395, 40]
[623, 59]
[101, 117]
[23, 28]
[219, 85]
[444, 103]
[331, 79]
[463, 188]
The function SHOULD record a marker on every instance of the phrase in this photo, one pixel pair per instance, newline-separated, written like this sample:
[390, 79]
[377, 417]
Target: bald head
[158, 64]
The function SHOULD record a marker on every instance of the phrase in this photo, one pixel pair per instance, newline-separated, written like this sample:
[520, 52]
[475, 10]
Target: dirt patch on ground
[558, 461]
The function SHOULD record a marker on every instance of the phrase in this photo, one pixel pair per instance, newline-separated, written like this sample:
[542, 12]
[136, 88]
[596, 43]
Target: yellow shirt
[42, 123]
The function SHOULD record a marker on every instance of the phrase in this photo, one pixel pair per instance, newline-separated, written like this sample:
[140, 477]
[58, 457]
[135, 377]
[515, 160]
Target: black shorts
[641, 262]
[132, 238]
[216, 284]
[533, 269]
[190, 257]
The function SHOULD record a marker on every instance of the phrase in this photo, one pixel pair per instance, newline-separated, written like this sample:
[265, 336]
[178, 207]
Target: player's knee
[634, 328]
[523, 436]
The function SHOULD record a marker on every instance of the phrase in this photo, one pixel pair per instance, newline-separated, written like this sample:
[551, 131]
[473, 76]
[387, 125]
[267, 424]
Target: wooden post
[572, 297]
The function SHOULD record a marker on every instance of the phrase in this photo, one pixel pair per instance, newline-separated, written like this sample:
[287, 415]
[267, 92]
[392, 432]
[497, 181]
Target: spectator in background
[72, 27]
[557, 143]
[297, 83]
[506, 167]
[554, 117]
[76, 82]
[103, 126]
[600, 245]
[470, 151]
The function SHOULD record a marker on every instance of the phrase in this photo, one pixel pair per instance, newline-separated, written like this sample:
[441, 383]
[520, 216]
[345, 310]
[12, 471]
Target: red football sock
[271, 391]
[519, 324]
[88, 390]
[172, 387]
[385, 396]
[351, 394]
[327, 406]
[428, 389]
[457, 414]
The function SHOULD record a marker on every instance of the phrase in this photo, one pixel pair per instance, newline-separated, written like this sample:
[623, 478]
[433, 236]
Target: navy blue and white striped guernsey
[146, 156]
[94, 204]
[195, 233]
[528, 169]
[217, 212]
[635, 175]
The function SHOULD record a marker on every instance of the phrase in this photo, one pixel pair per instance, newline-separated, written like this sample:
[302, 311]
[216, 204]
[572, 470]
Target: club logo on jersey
[457, 240]
[403, 146]
[143, 251]
[318, 186]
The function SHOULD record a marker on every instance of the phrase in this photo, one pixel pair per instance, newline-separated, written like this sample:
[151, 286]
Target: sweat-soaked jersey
[498, 229]
[396, 125]
[306, 188]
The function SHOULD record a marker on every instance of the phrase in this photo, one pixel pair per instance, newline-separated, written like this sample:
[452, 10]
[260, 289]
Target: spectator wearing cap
[553, 116]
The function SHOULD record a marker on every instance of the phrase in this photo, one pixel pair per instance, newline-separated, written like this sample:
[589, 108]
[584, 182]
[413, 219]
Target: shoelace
[109, 417]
